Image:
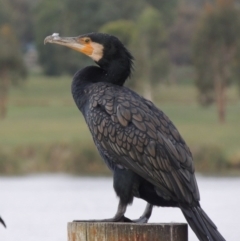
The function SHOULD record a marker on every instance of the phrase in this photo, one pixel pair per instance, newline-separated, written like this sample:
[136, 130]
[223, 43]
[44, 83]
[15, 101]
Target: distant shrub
[82, 158]
[8, 164]
[234, 161]
[209, 158]
[85, 159]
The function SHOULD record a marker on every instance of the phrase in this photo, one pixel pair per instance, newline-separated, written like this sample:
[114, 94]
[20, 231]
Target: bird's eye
[87, 40]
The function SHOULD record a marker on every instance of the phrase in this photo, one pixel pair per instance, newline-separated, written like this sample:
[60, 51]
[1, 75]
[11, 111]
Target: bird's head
[102, 48]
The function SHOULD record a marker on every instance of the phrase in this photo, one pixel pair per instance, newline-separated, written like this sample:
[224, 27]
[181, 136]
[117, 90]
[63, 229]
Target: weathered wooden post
[93, 231]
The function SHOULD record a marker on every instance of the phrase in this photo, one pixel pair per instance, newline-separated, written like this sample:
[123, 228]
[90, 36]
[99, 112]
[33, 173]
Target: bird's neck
[116, 68]
[116, 72]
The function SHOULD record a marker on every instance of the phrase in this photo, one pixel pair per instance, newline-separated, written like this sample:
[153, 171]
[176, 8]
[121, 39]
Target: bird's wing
[138, 136]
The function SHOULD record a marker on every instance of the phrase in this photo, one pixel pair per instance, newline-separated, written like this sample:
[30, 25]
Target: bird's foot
[114, 220]
[140, 220]
[146, 215]
[122, 219]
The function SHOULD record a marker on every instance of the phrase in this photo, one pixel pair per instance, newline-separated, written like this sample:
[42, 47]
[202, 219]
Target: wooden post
[94, 231]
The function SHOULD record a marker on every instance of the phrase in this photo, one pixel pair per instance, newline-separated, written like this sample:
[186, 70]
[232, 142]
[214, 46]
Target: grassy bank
[44, 131]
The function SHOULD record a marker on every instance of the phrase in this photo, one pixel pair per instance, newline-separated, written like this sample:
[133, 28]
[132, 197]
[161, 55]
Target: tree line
[161, 34]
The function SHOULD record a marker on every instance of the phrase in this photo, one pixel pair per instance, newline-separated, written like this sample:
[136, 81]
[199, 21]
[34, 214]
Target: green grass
[199, 126]
[42, 113]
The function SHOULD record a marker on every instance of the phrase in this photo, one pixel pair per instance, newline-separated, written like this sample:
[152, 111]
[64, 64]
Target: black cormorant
[145, 152]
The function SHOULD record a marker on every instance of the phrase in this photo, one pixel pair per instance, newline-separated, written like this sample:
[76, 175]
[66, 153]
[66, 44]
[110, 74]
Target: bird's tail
[1, 221]
[201, 224]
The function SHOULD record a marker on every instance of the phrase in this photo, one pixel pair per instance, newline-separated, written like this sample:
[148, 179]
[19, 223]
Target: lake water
[37, 208]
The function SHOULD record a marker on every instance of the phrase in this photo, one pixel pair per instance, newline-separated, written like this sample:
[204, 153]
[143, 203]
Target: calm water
[37, 208]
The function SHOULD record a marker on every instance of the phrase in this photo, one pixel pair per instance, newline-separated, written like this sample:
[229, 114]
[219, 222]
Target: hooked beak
[82, 44]
[71, 42]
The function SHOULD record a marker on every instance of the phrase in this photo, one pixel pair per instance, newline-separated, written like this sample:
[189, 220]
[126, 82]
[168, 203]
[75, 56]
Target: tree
[22, 19]
[167, 8]
[215, 49]
[181, 33]
[123, 29]
[12, 67]
[150, 49]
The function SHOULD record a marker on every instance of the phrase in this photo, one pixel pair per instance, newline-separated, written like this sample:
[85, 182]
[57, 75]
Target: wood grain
[96, 231]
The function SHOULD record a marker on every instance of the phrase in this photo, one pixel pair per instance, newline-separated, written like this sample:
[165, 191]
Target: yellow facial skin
[86, 44]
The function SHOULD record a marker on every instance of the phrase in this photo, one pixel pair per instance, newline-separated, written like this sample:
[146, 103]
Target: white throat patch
[97, 53]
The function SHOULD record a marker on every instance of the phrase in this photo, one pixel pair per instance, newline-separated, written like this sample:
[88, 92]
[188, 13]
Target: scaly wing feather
[137, 135]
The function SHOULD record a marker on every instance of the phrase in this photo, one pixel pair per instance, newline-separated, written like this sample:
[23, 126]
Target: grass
[199, 126]
[42, 113]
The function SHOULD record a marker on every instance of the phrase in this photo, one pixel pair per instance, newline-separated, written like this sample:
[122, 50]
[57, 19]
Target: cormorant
[145, 152]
